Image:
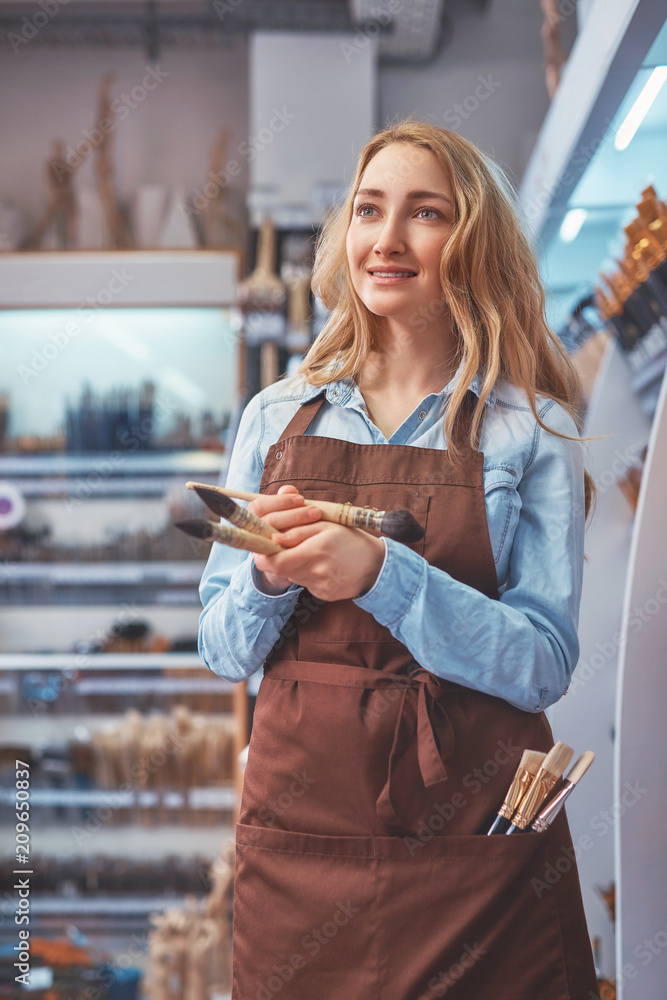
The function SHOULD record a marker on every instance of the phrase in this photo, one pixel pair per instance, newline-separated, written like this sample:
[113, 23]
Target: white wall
[323, 88]
[51, 92]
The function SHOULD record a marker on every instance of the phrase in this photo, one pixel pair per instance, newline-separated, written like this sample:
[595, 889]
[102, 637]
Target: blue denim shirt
[522, 648]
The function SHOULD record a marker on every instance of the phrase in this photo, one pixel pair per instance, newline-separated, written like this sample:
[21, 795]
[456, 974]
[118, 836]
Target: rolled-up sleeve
[523, 647]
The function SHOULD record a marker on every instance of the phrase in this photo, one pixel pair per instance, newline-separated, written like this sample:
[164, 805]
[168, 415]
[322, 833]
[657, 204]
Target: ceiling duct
[408, 30]
[405, 29]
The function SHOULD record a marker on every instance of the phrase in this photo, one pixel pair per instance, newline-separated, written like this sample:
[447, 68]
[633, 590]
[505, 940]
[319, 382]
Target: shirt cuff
[398, 581]
[259, 602]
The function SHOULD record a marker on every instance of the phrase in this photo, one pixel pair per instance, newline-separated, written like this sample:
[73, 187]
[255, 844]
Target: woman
[402, 683]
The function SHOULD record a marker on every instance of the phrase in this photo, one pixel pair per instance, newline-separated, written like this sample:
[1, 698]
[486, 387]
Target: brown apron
[361, 870]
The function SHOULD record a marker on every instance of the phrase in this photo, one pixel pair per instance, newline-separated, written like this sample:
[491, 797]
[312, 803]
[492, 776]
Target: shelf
[148, 463]
[97, 798]
[90, 574]
[105, 661]
[103, 905]
[124, 278]
[148, 685]
[113, 487]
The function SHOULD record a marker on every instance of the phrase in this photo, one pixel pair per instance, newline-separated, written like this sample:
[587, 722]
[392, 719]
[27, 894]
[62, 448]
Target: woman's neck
[405, 368]
[408, 363]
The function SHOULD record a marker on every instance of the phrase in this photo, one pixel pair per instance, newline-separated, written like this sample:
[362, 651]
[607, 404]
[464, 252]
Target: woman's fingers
[331, 561]
[284, 509]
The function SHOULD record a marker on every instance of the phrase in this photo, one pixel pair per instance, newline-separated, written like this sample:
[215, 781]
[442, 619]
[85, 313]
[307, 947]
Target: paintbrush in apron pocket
[529, 765]
[397, 524]
[548, 813]
[542, 784]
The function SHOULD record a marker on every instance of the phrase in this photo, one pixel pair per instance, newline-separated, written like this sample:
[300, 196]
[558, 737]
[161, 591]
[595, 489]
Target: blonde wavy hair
[490, 284]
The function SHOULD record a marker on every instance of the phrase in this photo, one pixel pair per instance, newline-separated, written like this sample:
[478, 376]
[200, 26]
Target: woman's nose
[390, 239]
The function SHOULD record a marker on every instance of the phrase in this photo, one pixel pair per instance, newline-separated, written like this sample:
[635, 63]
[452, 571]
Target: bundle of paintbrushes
[254, 534]
[537, 793]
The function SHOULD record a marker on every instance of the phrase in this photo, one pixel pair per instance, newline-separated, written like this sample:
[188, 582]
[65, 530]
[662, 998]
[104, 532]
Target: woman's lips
[385, 277]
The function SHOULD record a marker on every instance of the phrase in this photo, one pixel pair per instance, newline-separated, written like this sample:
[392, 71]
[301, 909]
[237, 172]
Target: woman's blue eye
[361, 209]
[433, 212]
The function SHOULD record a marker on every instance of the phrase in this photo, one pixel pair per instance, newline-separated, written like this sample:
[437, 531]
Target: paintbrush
[528, 767]
[225, 507]
[397, 524]
[545, 818]
[209, 531]
[551, 770]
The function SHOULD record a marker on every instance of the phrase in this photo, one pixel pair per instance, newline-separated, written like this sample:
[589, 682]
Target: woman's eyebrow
[377, 193]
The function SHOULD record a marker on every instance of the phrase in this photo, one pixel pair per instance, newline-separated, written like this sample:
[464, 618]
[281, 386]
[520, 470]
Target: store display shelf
[104, 906]
[148, 685]
[223, 797]
[113, 464]
[149, 277]
[104, 661]
[90, 574]
[69, 488]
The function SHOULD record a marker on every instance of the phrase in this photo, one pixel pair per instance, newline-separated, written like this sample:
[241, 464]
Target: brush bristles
[196, 527]
[221, 505]
[401, 526]
[531, 761]
[578, 770]
[557, 759]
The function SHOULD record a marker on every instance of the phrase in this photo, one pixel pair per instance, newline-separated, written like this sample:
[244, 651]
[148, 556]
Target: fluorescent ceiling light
[639, 109]
[571, 224]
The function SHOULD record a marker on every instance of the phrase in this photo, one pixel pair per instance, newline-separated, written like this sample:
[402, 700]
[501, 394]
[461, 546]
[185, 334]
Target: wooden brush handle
[339, 513]
[240, 539]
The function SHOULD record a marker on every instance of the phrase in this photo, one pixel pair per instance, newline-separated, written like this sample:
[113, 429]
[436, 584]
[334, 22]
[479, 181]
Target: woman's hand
[332, 561]
[283, 510]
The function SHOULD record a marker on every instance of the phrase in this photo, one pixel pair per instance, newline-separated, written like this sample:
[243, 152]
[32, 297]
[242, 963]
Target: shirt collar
[338, 391]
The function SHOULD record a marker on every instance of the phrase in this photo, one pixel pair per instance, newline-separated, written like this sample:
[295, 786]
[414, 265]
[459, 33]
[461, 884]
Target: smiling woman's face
[401, 219]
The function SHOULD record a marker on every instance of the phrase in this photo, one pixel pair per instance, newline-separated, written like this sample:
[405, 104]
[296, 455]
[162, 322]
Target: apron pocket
[389, 918]
[304, 918]
[464, 917]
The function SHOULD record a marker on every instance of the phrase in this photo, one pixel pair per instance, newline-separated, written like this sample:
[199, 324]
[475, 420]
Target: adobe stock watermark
[455, 116]
[607, 650]
[474, 781]
[601, 823]
[440, 984]
[121, 107]
[86, 312]
[312, 944]
[247, 150]
[224, 7]
[373, 27]
[79, 661]
[580, 160]
[120, 798]
[31, 26]
[103, 468]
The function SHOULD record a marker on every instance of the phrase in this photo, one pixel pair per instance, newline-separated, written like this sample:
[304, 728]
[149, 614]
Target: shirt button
[335, 393]
[422, 414]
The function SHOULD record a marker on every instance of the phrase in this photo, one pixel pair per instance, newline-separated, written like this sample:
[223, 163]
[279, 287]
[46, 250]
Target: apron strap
[429, 755]
[303, 417]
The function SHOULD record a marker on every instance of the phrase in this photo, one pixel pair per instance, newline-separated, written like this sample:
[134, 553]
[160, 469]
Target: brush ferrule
[243, 518]
[542, 822]
[542, 784]
[240, 539]
[360, 517]
[517, 790]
